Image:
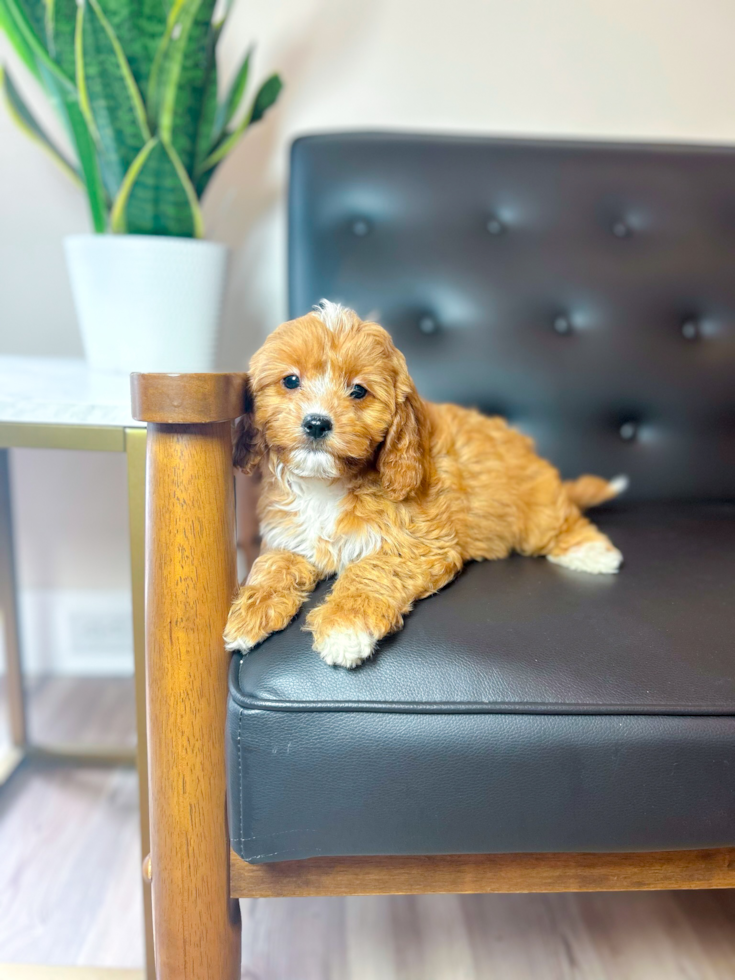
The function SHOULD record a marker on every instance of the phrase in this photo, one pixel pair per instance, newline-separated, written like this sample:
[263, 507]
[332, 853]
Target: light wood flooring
[69, 894]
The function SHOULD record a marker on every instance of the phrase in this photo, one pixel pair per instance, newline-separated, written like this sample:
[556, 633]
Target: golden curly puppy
[364, 480]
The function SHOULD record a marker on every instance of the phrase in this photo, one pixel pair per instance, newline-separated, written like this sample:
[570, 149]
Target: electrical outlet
[76, 632]
[100, 632]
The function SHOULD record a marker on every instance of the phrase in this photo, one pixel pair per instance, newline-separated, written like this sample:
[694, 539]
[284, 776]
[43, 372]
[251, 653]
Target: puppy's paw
[239, 644]
[347, 647]
[593, 557]
[341, 638]
[237, 640]
[252, 618]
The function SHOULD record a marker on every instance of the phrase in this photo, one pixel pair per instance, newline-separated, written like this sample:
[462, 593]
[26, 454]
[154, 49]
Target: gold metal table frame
[94, 438]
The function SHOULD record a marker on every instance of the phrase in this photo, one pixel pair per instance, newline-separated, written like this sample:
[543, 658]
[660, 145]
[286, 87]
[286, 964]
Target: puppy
[364, 480]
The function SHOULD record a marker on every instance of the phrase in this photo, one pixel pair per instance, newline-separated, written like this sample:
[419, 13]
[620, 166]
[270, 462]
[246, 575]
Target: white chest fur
[307, 522]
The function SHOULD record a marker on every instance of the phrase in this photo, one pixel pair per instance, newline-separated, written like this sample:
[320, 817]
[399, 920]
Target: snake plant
[134, 83]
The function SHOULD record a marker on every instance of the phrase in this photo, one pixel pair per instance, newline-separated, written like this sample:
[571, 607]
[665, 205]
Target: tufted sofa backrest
[584, 291]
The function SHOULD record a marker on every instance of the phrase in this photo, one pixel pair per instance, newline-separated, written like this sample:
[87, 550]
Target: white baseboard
[75, 632]
[20, 971]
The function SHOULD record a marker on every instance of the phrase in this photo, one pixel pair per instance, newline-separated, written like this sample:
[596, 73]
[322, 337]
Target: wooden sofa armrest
[190, 581]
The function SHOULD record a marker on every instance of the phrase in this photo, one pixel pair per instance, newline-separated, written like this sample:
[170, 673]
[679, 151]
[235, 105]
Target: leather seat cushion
[524, 708]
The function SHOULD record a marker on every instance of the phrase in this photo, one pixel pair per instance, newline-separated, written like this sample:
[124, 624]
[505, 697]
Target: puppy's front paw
[592, 557]
[345, 647]
[252, 618]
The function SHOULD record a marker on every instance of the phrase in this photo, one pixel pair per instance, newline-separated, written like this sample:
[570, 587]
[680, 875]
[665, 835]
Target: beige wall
[659, 69]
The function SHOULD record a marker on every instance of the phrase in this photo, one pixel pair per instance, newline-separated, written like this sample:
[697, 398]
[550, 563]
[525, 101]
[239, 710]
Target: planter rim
[136, 241]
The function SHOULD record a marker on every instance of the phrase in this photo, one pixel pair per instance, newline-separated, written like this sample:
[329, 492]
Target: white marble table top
[62, 391]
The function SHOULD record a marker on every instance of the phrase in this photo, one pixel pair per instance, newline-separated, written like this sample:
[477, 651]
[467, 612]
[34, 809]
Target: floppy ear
[402, 458]
[248, 444]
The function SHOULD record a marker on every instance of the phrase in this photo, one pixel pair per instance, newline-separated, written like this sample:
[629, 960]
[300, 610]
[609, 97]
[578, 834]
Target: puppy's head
[332, 397]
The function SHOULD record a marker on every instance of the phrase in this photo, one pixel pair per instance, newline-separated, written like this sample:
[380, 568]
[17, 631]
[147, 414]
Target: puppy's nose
[316, 426]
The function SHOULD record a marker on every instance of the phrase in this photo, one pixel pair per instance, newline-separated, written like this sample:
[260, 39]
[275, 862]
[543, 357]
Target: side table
[58, 403]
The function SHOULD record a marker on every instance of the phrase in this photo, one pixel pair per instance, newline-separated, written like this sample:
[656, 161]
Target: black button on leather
[562, 324]
[690, 329]
[360, 227]
[628, 431]
[495, 226]
[427, 324]
[620, 229]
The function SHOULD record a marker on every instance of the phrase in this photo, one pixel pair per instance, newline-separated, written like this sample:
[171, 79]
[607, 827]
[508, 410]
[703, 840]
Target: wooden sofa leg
[190, 580]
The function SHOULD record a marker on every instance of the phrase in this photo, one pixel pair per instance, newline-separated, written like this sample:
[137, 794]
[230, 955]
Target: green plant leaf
[156, 197]
[139, 25]
[57, 97]
[17, 39]
[60, 27]
[208, 99]
[90, 167]
[192, 87]
[164, 77]
[80, 68]
[136, 101]
[108, 95]
[266, 97]
[179, 80]
[228, 108]
[24, 118]
[35, 14]
[22, 26]
[50, 9]
[118, 222]
[191, 197]
[68, 110]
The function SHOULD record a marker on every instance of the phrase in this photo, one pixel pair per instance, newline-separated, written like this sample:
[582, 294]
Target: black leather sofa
[587, 293]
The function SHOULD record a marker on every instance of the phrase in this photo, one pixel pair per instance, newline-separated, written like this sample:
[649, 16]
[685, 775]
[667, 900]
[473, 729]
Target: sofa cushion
[584, 291]
[524, 708]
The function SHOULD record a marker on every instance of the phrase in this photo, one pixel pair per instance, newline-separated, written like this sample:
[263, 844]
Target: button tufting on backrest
[602, 312]
[427, 324]
[562, 324]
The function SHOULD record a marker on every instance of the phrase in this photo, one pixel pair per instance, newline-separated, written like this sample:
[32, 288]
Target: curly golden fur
[394, 499]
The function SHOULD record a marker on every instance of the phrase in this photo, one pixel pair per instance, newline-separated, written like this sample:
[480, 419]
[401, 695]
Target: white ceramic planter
[147, 302]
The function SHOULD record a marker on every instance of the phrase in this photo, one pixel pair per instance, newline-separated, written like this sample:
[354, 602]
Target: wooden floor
[69, 894]
[69, 845]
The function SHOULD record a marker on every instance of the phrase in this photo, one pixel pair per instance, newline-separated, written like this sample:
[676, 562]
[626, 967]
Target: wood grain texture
[70, 887]
[188, 398]
[190, 580]
[478, 873]
[594, 936]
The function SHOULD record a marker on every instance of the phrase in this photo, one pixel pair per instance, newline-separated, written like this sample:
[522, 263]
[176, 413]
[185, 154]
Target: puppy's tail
[588, 491]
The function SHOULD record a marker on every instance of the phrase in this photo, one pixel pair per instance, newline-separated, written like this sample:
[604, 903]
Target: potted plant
[134, 83]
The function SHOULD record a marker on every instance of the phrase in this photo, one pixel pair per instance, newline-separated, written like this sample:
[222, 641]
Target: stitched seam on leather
[474, 707]
[481, 708]
[239, 767]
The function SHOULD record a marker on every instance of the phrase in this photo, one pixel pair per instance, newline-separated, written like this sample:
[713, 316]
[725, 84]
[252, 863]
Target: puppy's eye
[291, 381]
[357, 392]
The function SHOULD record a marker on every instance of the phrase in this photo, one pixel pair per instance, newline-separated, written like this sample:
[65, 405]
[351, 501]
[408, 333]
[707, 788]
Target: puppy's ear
[248, 445]
[402, 458]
